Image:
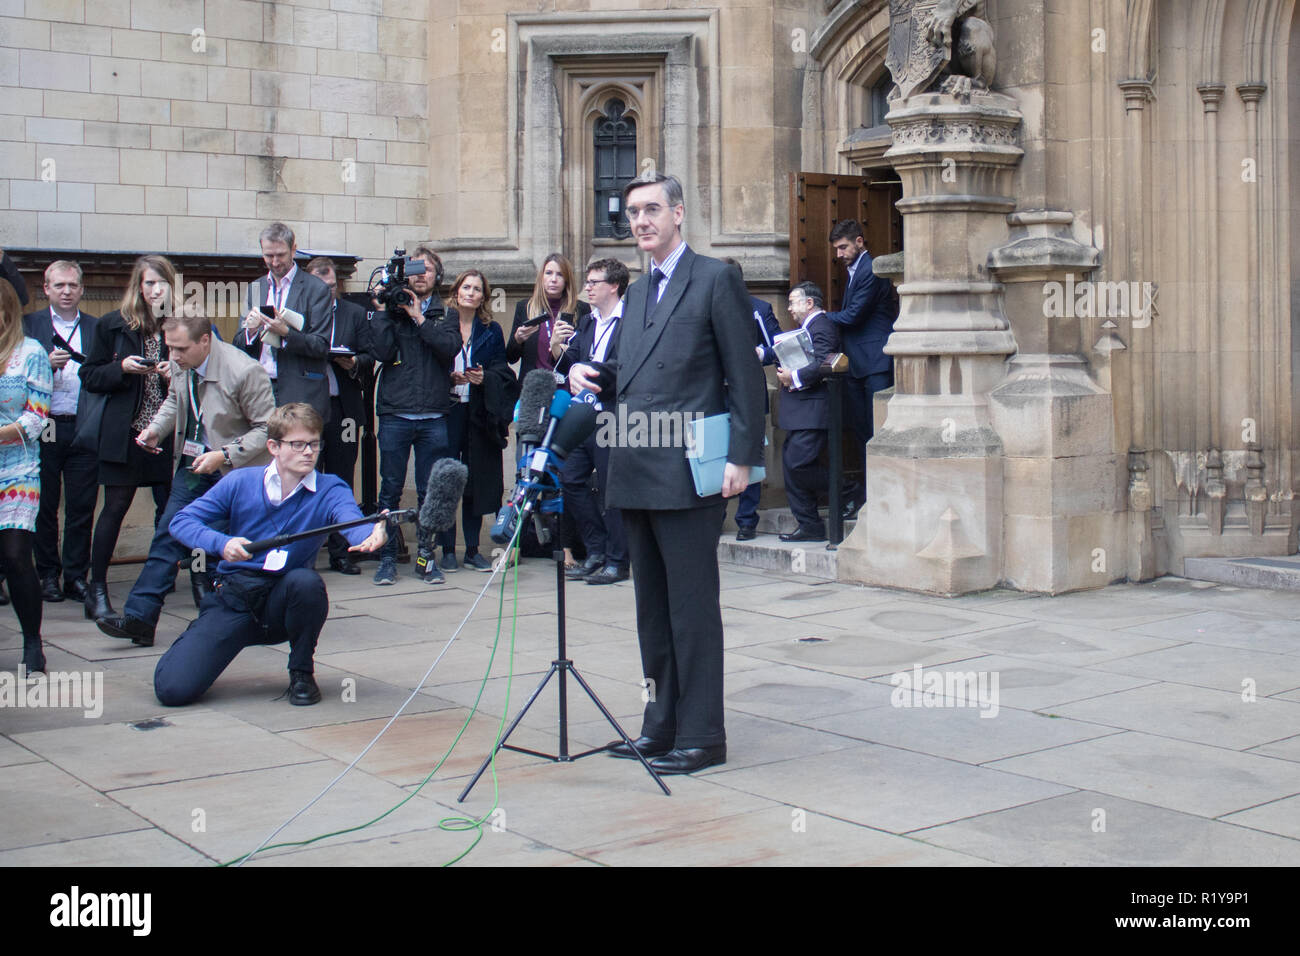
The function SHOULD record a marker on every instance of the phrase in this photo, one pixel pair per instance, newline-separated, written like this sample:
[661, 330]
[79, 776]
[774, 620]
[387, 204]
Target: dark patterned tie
[655, 278]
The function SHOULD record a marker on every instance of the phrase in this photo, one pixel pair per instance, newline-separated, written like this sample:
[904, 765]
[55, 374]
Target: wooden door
[818, 201]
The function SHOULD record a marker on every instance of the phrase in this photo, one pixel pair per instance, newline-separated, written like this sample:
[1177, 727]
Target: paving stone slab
[405, 666]
[410, 749]
[1243, 629]
[228, 815]
[773, 837]
[1210, 665]
[1096, 829]
[1068, 644]
[1105, 608]
[192, 742]
[1036, 685]
[88, 695]
[12, 754]
[1287, 748]
[915, 620]
[796, 694]
[1193, 778]
[147, 847]
[1218, 718]
[428, 846]
[1280, 816]
[797, 598]
[42, 804]
[595, 801]
[887, 788]
[854, 655]
[959, 733]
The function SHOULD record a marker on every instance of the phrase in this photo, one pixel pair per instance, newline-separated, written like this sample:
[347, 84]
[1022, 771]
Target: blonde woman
[128, 362]
[26, 383]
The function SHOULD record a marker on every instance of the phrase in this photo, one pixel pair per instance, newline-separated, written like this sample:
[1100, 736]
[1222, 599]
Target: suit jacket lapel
[637, 340]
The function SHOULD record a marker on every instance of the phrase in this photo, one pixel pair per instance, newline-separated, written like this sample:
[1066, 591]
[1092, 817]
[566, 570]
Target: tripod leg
[506, 736]
[614, 723]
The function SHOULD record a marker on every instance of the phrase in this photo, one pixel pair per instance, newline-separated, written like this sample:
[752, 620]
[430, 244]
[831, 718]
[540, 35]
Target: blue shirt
[240, 498]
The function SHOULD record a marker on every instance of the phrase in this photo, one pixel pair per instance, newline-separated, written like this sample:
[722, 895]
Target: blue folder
[707, 454]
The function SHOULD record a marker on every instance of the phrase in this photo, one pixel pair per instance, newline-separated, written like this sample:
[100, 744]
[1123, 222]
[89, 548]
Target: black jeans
[69, 474]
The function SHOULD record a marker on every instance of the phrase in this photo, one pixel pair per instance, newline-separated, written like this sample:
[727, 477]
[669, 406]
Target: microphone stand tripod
[562, 666]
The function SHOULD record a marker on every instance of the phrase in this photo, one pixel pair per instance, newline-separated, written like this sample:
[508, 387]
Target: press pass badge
[275, 560]
[193, 449]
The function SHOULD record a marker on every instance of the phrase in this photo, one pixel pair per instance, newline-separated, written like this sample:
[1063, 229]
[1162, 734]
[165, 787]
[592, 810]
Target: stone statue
[939, 43]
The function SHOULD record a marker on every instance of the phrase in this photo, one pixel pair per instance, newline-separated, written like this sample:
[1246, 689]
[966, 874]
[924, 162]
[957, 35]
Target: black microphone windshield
[535, 406]
[443, 494]
[578, 422]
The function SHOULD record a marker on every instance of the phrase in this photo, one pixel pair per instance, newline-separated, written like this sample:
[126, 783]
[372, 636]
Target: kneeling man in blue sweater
[273, 596]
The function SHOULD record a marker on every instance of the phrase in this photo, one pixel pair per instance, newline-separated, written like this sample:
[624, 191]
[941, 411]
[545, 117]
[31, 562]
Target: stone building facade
[1117, 432]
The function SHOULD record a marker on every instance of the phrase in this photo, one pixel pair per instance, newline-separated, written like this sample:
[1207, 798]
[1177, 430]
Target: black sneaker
[303, 691]
[128, 628]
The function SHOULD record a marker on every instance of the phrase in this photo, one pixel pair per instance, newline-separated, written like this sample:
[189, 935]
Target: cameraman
[414, 350]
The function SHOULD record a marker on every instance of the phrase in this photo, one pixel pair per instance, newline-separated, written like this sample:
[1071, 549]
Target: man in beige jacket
[216, 409]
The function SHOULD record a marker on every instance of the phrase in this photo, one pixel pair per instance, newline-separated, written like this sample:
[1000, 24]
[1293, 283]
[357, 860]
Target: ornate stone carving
[939, 44]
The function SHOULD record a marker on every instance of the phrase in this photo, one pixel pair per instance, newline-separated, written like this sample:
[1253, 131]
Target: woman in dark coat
[128, 362]
[484, 391]
[554, 298]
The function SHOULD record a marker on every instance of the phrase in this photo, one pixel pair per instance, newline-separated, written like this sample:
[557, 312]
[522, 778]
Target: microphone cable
[453, 823]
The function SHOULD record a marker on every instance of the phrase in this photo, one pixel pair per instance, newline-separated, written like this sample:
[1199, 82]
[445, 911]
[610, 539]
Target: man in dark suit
[805, 416]
[686, 349]
[65, 332]
[865, 323]
[596, 340]
[768, 329]
[298, 363]
[348, 367]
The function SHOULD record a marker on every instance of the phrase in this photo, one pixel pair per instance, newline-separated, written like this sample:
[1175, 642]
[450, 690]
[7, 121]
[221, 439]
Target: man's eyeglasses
[315, 446]
[596, 282]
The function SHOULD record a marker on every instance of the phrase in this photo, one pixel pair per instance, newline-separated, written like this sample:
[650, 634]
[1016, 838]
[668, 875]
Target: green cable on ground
[514, 619]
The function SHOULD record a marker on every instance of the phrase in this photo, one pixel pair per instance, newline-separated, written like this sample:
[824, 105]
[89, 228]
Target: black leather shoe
[593, 564]
[648, 747]
[200, 587]
[690, 760]
[97, 604]
[128, 628]
[50, 590]
[344, 566]
[303, 691]
[746, 534]
[803, 534]
[850, 511]
[609, 574]
[75, 590]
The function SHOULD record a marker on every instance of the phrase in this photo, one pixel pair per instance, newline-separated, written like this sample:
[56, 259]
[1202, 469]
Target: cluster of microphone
[550, 423]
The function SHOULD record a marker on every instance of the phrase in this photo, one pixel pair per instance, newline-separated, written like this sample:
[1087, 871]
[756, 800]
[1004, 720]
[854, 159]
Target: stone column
[933, 517]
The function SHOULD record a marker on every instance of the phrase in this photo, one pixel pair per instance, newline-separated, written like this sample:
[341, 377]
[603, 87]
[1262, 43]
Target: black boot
[33, 654]
[97, 605]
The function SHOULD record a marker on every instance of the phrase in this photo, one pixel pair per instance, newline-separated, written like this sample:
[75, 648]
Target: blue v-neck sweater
[240, 499]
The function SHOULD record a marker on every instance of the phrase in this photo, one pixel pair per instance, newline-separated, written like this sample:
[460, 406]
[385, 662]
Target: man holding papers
[805, 413]
[287, 324]
[686, 348]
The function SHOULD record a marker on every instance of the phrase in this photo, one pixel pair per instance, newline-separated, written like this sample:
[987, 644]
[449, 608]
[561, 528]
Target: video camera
[392, 290]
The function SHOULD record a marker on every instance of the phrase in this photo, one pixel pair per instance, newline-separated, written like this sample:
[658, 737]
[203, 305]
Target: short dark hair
[847, 229]
[672, 187]
[284, 418]
[614, 270]
[734, 262]
[812, 292]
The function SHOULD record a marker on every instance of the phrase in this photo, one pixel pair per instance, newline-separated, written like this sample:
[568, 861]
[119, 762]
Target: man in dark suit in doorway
[297, 363]
[686, 349]
[349, 366]
[865, 321]
[805, 416]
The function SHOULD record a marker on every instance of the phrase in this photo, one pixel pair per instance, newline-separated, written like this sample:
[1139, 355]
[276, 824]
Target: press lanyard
[274, 294]
[75, 325]
[595, 348]
[195, 406]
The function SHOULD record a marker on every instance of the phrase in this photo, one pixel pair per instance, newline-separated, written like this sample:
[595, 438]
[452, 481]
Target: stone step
[1275, 573]
[781, 521]
[768, 552]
